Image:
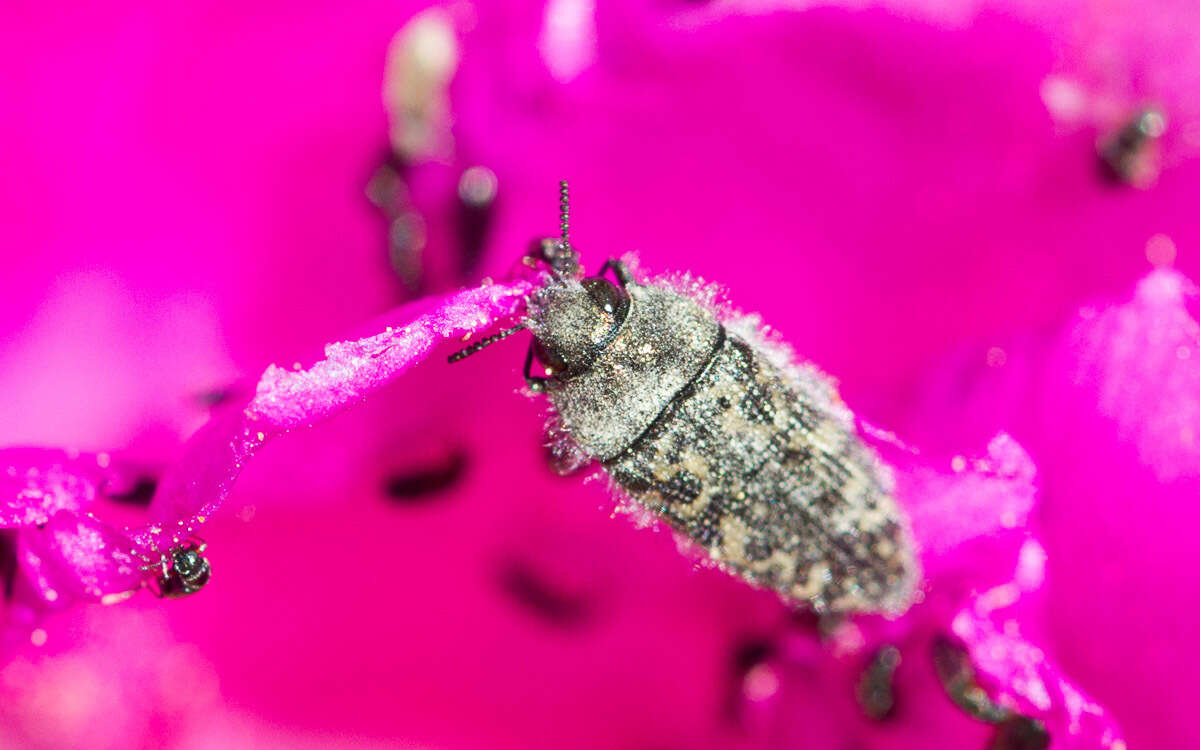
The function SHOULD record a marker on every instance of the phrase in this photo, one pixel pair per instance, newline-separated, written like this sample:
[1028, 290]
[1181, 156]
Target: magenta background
[183, 205]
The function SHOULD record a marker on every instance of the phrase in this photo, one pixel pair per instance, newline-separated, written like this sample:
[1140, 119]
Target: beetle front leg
[536, 384]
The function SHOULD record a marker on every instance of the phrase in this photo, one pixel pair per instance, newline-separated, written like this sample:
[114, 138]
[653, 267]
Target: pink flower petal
[78, 557]
[1108, 407]
[37, 482]
[288, 399]
[1139, 359]
[1024, 678]
[978, 497]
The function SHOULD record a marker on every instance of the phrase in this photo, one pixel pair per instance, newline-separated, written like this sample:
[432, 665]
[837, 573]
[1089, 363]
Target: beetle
[181, 571]
[701, 420]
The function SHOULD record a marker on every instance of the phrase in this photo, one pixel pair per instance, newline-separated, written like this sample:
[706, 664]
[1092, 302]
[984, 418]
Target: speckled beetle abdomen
[796, 503]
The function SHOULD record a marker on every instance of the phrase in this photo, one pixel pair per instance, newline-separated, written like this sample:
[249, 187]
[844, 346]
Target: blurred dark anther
[752, 677]
[957, 675]
[477, 189]
[422, 484]
[750, 654]
[807, 621]
[1014, 731]
[140, 493]
[875, 690]
[1131, 156]
[214, 397]
[1020, 733]
[8, 562]
[406, 230]
[386, 186]
[541, 598]
[406, 246]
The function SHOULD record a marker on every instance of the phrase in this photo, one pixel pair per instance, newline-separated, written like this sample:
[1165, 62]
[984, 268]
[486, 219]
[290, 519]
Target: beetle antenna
[462, 354]
[564, 212]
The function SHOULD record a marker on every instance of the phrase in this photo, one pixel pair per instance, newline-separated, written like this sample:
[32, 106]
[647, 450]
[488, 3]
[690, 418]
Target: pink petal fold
[66, 553]
[1109, 407]
[78, 557]
[37, 482]
[288, 399]
[1023, 677]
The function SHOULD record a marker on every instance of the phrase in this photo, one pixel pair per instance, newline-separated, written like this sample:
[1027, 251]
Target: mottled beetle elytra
[697, 418]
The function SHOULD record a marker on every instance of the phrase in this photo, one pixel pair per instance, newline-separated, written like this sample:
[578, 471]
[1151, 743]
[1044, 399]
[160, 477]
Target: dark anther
[1129, 155]
[422, 483]
[214, 397]
[1020, 733]
[750, 654]
[476, 200]
[875, 690]
[406, 229]
[407, 235]
[8, 562]
[957, 675]
[139, 493]
[539, 597]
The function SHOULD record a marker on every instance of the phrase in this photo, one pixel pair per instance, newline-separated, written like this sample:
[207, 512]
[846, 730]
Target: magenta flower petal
[352, 370]
[1024, 678]
[1136, 360]
[1112, 58]
[657, 135]
[288, 399]
[75, 557]
[1109, 407]
[1119, 416]
[949, 509]
[984, 571]
[37, 482]
[105, 677]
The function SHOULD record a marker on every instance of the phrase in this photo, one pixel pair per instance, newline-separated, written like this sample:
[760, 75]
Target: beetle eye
[548, 357]
[607, 295]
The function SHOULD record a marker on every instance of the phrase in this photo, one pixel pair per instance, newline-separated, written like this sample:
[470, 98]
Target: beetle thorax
[633, 371]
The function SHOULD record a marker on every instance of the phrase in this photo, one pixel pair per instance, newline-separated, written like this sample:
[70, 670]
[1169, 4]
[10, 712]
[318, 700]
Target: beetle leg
[536, 384]
[619, 269]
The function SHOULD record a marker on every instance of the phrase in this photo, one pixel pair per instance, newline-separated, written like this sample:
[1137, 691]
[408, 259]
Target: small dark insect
[182, 571]
[701, 421]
